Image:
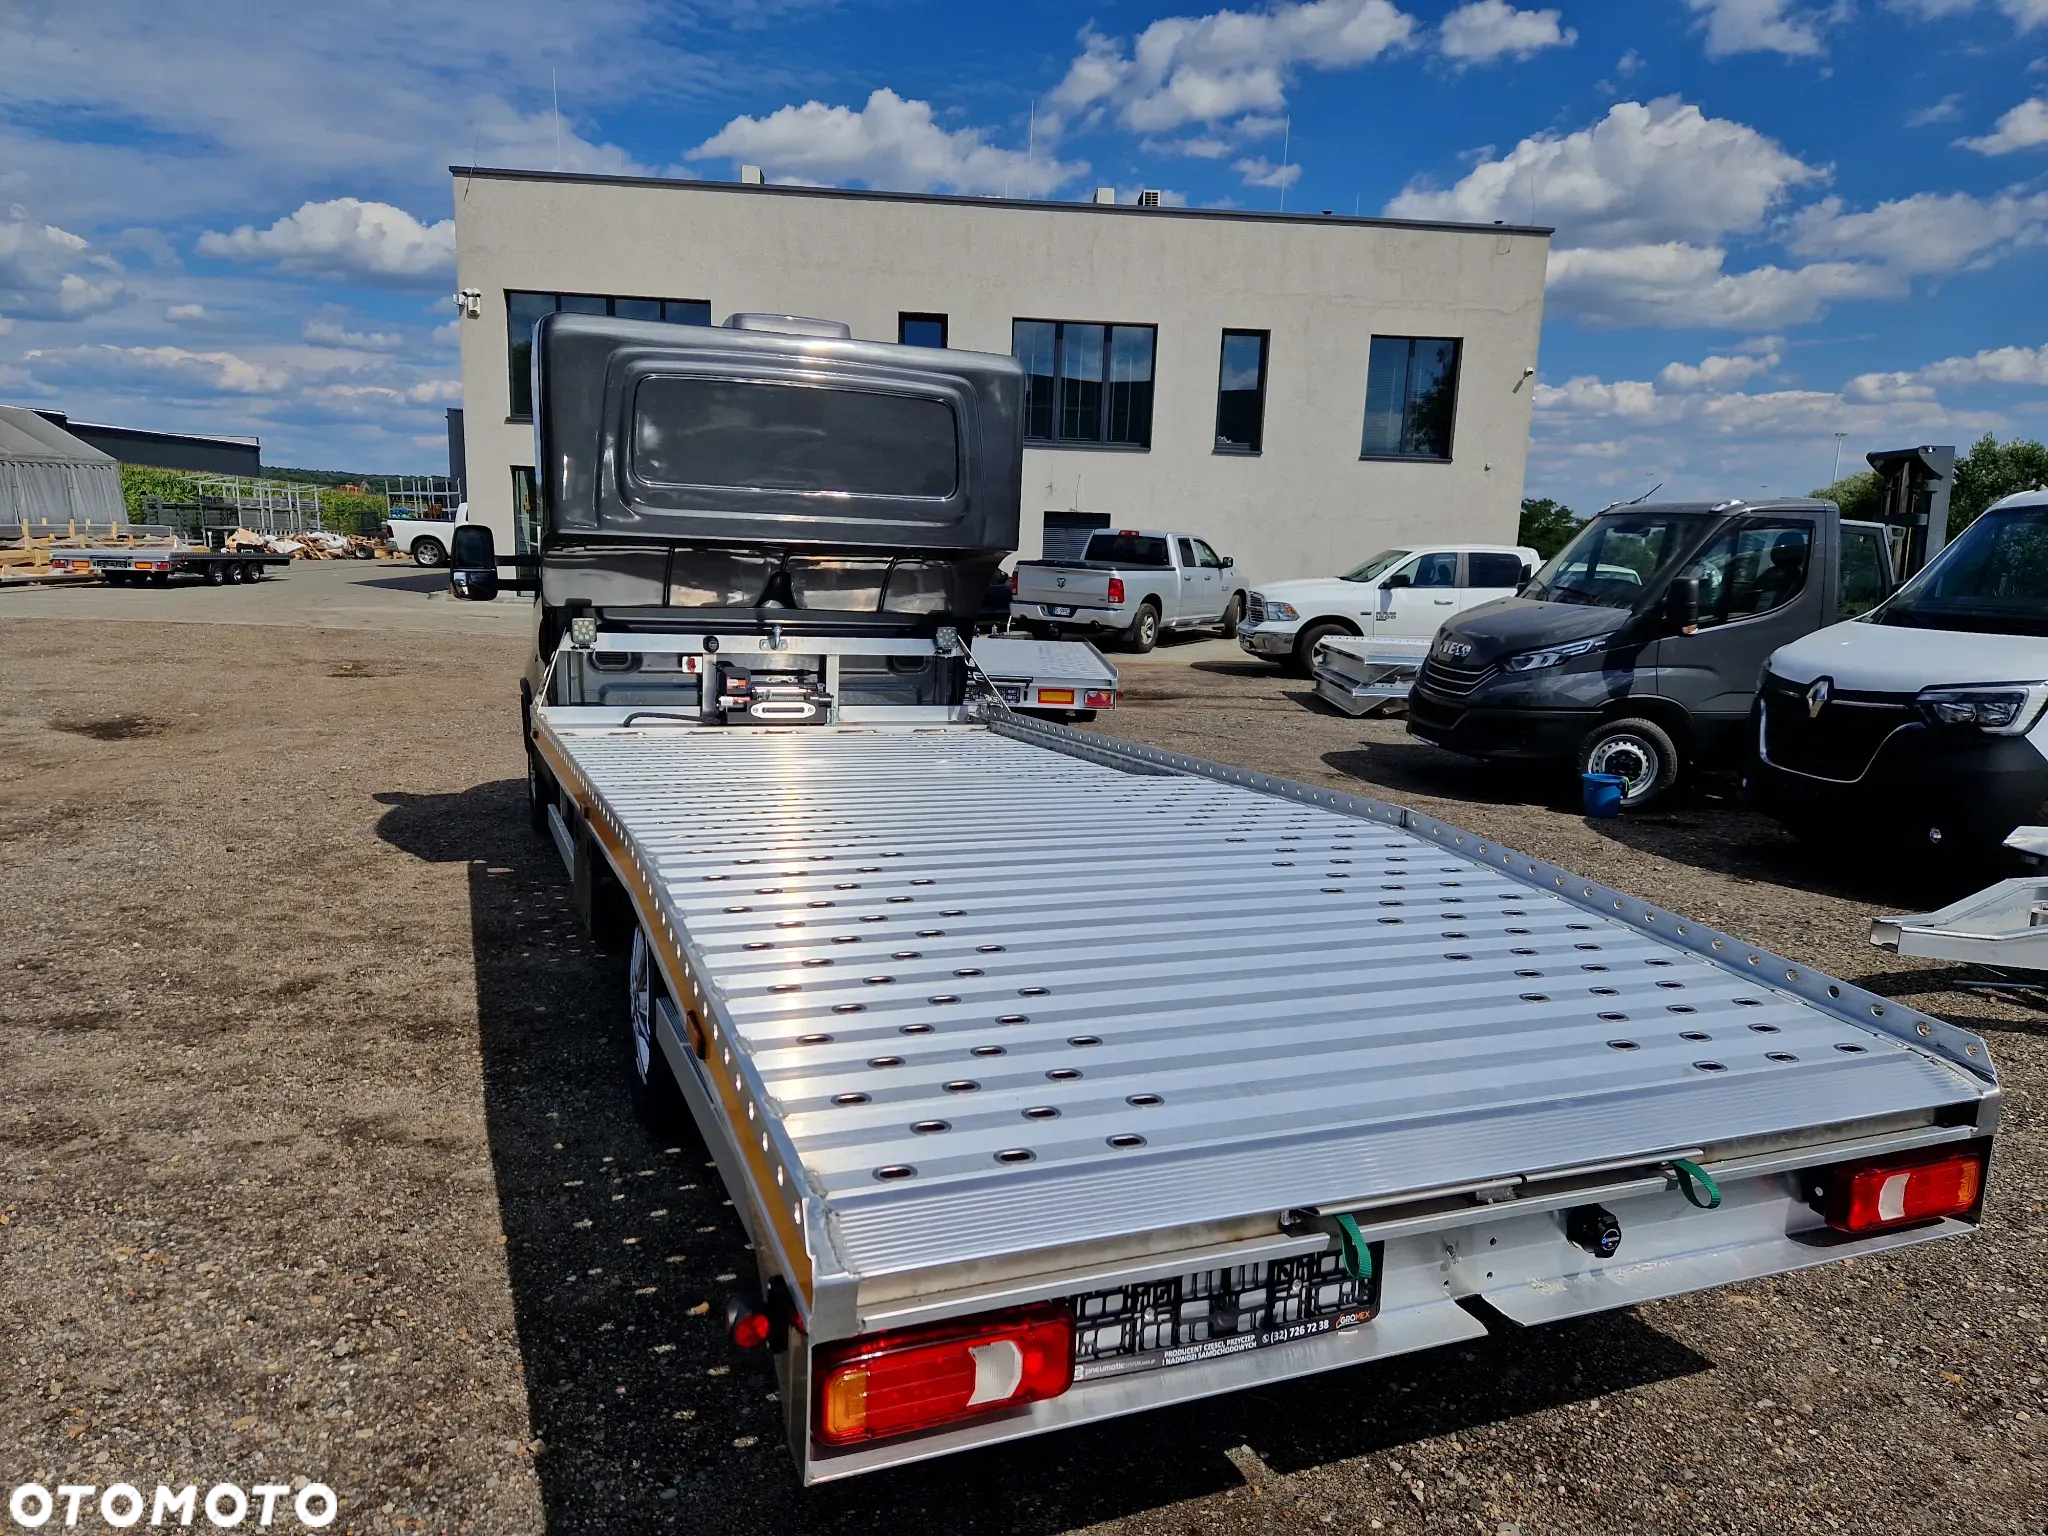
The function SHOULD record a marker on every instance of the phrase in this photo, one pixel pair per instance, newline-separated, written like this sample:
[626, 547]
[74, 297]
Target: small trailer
[1056, 1078]
[1364, 677]
[156, 564]
[1068, 678]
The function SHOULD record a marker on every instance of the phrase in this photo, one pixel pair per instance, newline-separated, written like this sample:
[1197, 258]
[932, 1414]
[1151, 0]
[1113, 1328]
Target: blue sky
[1777, 220]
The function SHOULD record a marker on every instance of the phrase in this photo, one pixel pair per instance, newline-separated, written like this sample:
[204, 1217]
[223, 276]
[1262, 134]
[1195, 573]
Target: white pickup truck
[1131, 584]
[425, 538]
[1401, 595]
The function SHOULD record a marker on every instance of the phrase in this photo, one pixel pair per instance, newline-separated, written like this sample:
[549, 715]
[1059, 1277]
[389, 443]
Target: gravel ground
[315, 1163]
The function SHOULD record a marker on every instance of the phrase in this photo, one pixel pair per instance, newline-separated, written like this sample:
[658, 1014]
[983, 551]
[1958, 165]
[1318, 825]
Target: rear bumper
[1547, 734]
[1973, 789]
[1071, 617]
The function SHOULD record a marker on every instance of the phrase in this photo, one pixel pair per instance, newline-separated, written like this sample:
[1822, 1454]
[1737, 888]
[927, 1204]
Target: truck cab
[1131, 584]
[1924, 721]
[1636, 650]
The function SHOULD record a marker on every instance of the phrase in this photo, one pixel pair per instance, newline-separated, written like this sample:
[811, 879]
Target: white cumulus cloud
[1713, 374]
[1927, 232]
[1764, 26]
[889, 142]
[1258, 171]
[1486, 30]
[47, 273]
[1643, 173]
[346, 240]
[2024, 127]
[329, 333]
[1205, 69]
[1675, 284]
[224, 372]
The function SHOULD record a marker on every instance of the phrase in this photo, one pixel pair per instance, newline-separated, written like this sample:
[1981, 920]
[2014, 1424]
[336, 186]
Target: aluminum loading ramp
[1001, 999]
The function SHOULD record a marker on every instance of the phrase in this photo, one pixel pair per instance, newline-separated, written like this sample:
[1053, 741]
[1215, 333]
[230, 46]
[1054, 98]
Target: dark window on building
[1066, 533]
[1411, 395]
[524, 310]
[1485, 570]
[1086, 382]
[1241, 393]
[921, 330]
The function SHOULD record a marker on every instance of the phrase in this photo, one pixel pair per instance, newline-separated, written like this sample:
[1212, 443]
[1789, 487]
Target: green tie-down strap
[1357, 1252]
[1696, 1184]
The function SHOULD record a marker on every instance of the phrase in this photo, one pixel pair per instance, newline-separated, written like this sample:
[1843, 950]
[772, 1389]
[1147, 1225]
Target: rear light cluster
[920, 1378]
[1099, 698]
[1056, 696]
[1013, 583]
[1116, 591]
[1892, 1192]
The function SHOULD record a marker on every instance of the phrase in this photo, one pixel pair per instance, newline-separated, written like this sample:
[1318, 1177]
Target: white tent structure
[48, 478]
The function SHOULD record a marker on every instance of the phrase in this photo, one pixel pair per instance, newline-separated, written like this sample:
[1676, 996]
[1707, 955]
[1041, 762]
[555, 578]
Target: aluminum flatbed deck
[1002, 1011]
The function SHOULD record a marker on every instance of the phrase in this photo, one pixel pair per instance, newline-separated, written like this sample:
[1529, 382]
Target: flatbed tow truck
[1057, 1078]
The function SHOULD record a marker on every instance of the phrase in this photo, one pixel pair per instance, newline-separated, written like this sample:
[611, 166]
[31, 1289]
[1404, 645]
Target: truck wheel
[1302, 660]
[216, 573]
[235, 573]
[1144, 631]
[115, 578]
[656, 1098]
[1640, 751]
[429, 552]
[1233, 616]
[253, 570]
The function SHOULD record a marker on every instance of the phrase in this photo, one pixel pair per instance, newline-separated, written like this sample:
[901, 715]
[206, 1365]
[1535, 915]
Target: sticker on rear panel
[1218, 1312]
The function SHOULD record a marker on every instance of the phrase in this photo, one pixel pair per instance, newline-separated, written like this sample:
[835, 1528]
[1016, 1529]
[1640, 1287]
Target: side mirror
[1401, 580]
[473, 563]
[1682, 603]
[1528, 574]
[1229, 561]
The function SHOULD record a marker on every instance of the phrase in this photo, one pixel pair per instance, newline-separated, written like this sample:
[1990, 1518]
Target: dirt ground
[315, 1163]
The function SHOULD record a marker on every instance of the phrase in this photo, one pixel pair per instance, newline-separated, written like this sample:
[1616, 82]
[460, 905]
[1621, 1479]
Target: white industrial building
[1301, 390]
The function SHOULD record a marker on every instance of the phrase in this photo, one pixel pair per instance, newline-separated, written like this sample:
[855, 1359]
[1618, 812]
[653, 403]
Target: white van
[1924, 717]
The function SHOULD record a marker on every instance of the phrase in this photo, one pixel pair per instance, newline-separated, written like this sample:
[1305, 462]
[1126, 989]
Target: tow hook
[1595, 1229]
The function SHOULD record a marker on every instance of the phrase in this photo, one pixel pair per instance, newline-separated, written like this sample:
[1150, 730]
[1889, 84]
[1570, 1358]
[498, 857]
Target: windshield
[1993, 580]
[1376, 566]
[1613, 559]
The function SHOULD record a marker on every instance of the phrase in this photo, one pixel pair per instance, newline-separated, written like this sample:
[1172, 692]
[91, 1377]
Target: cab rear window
[1127, 549]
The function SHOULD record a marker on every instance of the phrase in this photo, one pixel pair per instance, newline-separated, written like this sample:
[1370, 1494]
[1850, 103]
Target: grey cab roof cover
[648, 430]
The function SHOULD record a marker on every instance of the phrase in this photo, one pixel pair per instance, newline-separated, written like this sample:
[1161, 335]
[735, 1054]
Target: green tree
[139, 482]
[1992, 469]
[1860, 496]
[1546, 526]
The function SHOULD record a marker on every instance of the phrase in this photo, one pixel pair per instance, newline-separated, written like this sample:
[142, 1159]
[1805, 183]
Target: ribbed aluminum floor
[1006, 998]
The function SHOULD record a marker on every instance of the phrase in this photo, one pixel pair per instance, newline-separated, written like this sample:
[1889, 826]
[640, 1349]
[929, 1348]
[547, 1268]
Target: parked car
[426, 538]
[1925, 721]
[1404, 593]
[1636, 650]
[1131, 585]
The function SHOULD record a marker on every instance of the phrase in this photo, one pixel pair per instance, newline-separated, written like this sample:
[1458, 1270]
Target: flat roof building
[208, 455]
[1300, 390]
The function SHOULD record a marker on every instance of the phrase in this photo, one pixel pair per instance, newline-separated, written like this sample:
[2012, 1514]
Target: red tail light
[919, 1378]
[1100, 698]
[1116, 591]
[1873, 1197]
[1013, 583]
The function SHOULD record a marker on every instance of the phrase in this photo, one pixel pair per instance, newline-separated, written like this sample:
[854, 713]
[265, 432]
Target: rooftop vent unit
[750, 176]
[1149, 198]
[1105, 194]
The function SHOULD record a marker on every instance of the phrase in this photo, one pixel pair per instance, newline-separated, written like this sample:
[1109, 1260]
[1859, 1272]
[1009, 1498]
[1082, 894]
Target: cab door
[1198, 600]
[1762, 584]
[1415, 608]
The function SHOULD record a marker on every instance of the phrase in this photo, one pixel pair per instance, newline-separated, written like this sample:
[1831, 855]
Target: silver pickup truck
[1131, 584]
